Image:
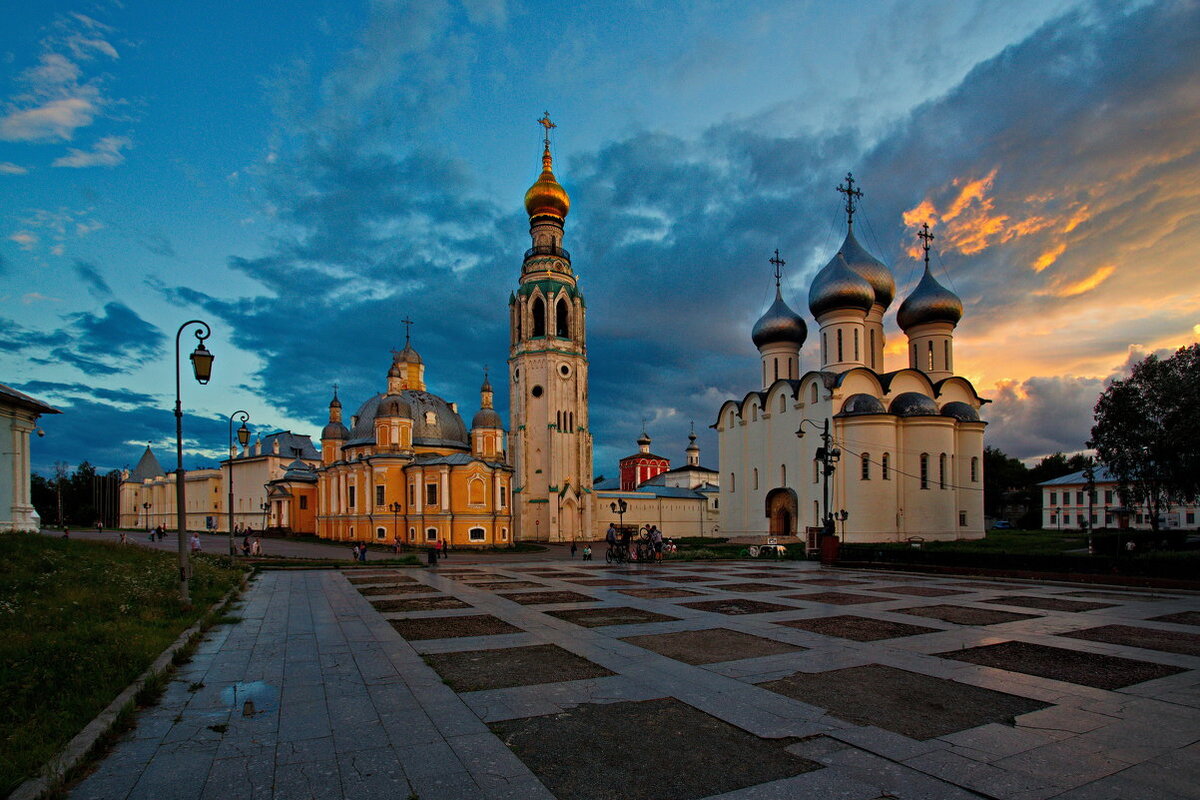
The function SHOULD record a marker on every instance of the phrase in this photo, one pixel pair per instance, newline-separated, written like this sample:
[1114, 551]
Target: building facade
[888, 454]
[548, 377]
[18, 419]
[148, 498]
[1067, 504]
[639, 467]
[407, 469]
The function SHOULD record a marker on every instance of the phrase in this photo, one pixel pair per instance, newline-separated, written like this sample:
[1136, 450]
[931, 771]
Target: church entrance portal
[782, 508]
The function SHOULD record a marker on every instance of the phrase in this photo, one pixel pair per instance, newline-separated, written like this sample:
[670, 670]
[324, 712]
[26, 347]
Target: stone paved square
[452, 627]
[437, 603]
[659, 592]
[603, 582]
[687, 579]
[1060, 664]
[397, 588]
[1048, 603]
[380, 577]
[678, 753]
[1180, 618]
[860, 629]
[545, 598]
[836, 598]
[711, 645]
[749, 587]
[473, 670]
[736, 606]
[1121, 597]
[830, 582]
[909, 703]
[507, 585]
[602, 617]
[965, 615]
[919, 591]
[1187, 644]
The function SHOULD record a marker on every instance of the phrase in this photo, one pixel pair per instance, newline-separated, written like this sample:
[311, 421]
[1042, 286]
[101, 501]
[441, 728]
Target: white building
[909, 441]
[1067, 505]
[18, 418]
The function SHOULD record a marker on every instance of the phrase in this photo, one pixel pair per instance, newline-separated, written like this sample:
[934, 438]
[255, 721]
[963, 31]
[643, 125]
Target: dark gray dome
[300, 471]
[960, 411]
[487, 418]
[914, 404]
[395, 405]
[837, 286]
[445, 430]
[334, 430]
[871, 268]
[862, 404]
[929, 302]
[779, 324]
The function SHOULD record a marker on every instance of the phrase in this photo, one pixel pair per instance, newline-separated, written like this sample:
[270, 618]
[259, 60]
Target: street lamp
[243, 435]
[395, 509]
[146, 507]
[619, 508]
[264, 505]
[202, 361]
[1090, 475]
[828, 455]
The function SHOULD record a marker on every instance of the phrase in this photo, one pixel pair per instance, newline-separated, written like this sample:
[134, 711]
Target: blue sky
[304, 176]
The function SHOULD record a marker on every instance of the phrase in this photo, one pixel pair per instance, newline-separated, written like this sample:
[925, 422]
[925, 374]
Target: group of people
[622, 538]
[158, 532]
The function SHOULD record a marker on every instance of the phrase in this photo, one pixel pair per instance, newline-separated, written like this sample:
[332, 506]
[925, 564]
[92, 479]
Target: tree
[1146, 432]
[1002, 476]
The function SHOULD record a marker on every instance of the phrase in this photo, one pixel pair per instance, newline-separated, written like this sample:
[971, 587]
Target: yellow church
[408, 469]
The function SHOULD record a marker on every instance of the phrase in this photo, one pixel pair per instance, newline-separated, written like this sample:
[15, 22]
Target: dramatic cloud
[104, 153]
[113, 342]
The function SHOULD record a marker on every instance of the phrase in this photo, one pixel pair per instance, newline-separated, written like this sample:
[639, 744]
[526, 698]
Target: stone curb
[78, 748]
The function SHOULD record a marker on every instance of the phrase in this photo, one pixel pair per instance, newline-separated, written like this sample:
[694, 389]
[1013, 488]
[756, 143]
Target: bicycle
[616, 554]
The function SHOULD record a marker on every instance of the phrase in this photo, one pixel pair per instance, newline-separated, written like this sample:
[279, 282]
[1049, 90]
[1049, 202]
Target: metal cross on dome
[407, 329]
[547, 124]
[926, 237]
[852, 194]
[779, 263]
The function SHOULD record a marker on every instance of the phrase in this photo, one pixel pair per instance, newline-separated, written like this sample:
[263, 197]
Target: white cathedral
[881, 455]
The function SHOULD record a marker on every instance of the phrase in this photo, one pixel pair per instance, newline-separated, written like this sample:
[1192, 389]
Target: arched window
[732, 418]
[885, 467]
[431, 534]
[475, 491]
[755, 486]
[385, 436]
[924, 470]
[839, 344]
[562, 328]
[866, 466]
[782, 403]
[946, 348]
[856, 344]
[775, 361]
[974, 469]
[915, 362]
[539, 317]
[754, 412]
[764, 373]
[380, 533]
[814, 392]
[942, 471]
[504, 534]
[571, 421]
[783, 474]
[517, 314]
[732, 483]
[476, 534]
[931, 356]
[412, 534]
[872, 338]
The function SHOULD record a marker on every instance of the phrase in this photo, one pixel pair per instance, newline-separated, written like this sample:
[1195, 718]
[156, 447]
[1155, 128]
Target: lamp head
[243, 435]
[202, 360]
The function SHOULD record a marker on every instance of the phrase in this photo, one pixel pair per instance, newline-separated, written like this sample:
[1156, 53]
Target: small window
[303, 502]
[962, 519]
[503, 496]
[931, 356]
[564, 370]
[782, 403]
[536, 391]
[412, 534]
[1054, 519]
[504, 534]
[942, 471]
[924, 470]
[1054, 498]
[856, 358]
[1108, 496]
[783, 474]
[350, 496]
[755, 486]
[431, 534]
[946, 348]
[866, 466]
[430, 418]
[839, 344]
[814, 392]
[1079, 499]
[378, 495]
[885, 465]
[412, 494]
[380, 533]
[732, 483]
[974, 469]
[476, 534]
[431, 494]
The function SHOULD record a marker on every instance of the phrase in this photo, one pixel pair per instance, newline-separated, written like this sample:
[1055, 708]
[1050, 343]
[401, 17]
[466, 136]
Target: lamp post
[1090, 475]
[202, 361]
[265, 506]
[828, 455]
[395, 509]
[619, 508]
[243, 435]
[146, 508]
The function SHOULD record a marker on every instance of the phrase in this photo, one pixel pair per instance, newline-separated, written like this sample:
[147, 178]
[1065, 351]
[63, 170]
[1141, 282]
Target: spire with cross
[852, 195]
[407, 329]
[926, 237]
[778, 264]
[547, 124]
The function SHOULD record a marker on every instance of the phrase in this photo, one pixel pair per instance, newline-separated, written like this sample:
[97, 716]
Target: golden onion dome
[547, 196]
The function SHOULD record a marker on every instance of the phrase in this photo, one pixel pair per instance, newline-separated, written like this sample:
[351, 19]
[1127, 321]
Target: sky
[303, 176]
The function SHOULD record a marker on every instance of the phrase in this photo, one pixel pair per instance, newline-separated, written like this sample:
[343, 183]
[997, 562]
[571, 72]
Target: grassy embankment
[79, 621]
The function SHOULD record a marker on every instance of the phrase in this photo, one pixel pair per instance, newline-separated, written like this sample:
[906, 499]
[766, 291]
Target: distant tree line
[80, 498]
[1010, 489]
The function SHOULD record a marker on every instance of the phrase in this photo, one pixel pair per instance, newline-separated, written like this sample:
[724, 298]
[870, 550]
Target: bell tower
[550, 437]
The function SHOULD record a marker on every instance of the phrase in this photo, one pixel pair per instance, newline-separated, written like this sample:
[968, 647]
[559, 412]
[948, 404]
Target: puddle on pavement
[251, 698]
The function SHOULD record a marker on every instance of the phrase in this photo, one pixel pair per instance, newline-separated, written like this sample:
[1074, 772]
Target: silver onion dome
[837, 286]
[857, 404]
[334, 430]
[929, 302]
[868, 266]
[914, 404]
[960, 411]
[779, 324]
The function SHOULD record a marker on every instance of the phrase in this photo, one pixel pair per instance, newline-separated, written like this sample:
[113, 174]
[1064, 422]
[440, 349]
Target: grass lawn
[1024, 542]
[79, 621]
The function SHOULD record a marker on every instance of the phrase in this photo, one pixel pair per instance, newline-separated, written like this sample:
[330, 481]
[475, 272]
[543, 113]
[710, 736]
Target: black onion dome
[335, 403]
[914, 404]
[487, 418]
[871, 268]
[444, 428]
[334, 430]
[779, 324]
[395, 405]
[960, 411]
[862, 404]
[929, 302]
[837, 286]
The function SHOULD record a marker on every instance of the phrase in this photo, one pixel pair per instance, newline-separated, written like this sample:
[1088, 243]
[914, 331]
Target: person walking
[256, 548]
[442, 547]
[195, 542]
[432, 556]
[246, 546]
[572, 548]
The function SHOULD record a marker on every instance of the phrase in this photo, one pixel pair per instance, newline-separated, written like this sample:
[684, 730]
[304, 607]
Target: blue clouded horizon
[304, 194]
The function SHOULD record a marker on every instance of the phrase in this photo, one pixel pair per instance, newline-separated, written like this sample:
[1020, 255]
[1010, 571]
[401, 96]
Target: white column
[445, 490]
